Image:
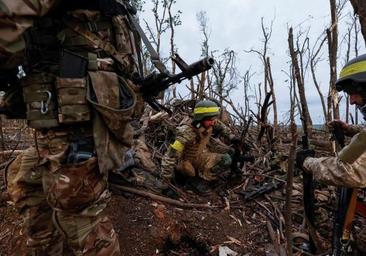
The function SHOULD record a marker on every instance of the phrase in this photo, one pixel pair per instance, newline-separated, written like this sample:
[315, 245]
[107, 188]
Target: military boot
[198, 185]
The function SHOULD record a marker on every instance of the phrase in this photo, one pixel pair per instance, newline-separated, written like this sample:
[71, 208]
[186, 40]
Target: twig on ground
[164, 199]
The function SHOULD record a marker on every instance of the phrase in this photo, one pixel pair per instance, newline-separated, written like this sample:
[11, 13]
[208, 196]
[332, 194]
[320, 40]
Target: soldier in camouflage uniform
[80, 110]
[189, 154]
[348, 169]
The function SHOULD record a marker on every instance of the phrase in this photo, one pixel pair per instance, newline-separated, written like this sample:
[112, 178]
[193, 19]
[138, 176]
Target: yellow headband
[204, 110]
[352, 69]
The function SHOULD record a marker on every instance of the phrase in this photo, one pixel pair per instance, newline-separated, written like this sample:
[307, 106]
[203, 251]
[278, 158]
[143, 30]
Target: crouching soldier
[189, 155]
[348, 169]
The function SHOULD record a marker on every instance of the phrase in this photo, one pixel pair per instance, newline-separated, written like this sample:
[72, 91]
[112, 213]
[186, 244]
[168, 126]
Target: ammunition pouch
[53, 100]
[57, 93]
[71, 98]
[39, 96]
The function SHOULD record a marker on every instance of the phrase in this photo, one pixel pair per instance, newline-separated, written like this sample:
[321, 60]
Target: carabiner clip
[44, 106]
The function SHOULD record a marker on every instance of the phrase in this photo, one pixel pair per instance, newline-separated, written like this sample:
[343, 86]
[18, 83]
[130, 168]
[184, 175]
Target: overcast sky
[236, 24]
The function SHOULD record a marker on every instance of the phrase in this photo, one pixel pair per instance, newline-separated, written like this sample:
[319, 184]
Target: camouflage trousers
[207, 166]
[61, 203]
[361, 241]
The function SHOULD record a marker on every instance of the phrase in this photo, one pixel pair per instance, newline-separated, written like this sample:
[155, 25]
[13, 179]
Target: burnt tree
[359, 7]
[299, 81]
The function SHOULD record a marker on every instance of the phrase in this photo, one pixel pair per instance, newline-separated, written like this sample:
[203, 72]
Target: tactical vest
[58, 60]
[194, 149]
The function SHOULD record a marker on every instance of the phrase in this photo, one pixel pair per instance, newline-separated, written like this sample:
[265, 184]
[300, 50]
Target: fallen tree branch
[163, 199]
[274, 238]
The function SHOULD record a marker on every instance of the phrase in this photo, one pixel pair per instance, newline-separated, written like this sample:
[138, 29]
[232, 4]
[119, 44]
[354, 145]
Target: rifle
[347, 201]
[154, 83]
[308, 196]
[238, 157]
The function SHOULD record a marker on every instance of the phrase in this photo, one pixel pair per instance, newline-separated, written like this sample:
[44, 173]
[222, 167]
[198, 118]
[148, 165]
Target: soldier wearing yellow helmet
[348, 169]
[189, 154]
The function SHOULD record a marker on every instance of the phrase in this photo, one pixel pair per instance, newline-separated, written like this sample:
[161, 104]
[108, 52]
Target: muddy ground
[147, 227]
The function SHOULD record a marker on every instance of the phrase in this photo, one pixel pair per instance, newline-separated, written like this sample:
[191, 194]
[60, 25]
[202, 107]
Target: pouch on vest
[39, 96]
[71, 97]
[114, 100]
[71, 89]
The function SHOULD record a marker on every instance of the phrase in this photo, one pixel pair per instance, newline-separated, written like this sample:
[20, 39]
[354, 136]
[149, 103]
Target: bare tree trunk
[300, 83]
[191, 82]
[172, 45]
[271, 86]
[259, 100]
[201, 88]
[224, 72]
[205, 77]
[359, 7]
[246, 83]
[313, 63]
[332, 35]
[290, 174]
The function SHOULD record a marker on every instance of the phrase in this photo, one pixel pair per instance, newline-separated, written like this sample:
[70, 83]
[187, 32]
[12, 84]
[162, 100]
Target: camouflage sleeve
[185, 134]
[348, 169]
[335, 172]
[16, 16]
[223, 130]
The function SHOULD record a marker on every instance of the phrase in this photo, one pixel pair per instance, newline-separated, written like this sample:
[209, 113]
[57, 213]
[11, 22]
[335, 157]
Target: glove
[235, 141]
[337, 123]
[348, 130]
[248, 158]
[301, 155]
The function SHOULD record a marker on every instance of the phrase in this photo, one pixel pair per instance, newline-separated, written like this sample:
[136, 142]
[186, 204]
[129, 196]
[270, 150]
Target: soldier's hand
[301, 155]
[336, 123]
[235, 141]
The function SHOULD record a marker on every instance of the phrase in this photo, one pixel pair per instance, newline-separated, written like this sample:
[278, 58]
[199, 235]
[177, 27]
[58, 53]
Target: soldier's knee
[88, 235]
[225, 161]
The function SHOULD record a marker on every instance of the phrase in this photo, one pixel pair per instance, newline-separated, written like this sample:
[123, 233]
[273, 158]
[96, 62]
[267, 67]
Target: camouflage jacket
[15, 18]
[189, 144]
[113, 107]
[348, 169]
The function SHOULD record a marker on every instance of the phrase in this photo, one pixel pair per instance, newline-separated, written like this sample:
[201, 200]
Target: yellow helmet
[353, 75]
[204, 109]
